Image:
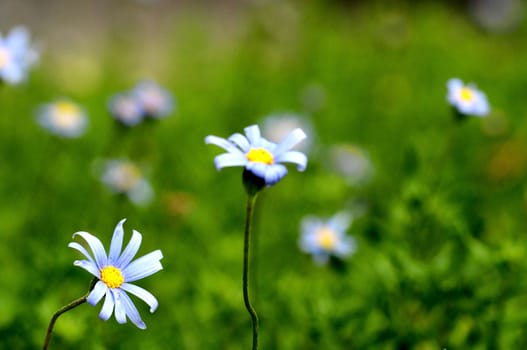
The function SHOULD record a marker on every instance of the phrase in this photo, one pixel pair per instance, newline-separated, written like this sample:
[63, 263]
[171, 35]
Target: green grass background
[441, 256]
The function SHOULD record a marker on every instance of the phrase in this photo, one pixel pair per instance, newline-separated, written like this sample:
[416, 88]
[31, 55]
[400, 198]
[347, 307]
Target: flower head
[125, 108]
[16, 55]
[155, 101]
[116, 271]
[123, 176]
[63, 118]
[325, 238]
[260, 157]
[467, 99]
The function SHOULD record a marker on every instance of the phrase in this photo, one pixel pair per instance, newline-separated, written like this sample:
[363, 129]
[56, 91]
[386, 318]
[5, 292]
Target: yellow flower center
[4, 57]
[326, 238]
[466, 94]
[66, 114]
[112, 276]
[260, 155]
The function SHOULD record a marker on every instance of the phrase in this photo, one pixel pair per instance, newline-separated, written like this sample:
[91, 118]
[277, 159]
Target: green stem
[64, 309]
[246, 250]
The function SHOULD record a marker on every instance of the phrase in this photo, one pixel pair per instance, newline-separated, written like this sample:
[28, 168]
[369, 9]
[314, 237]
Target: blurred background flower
[125, 177]
[323, 238]
[155, 101]
[63, 118]
[16, 55]
[126, 109]
[467, 99]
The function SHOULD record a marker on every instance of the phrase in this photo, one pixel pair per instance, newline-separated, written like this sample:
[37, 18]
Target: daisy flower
[115, 273]
[326, 237]
[155, 101]
[123, 176]
[467, 99]
[63, 118]
[126, 109]
[16, 55]
[259, 156]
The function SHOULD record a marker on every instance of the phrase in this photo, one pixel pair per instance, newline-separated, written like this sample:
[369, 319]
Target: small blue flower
[63, 118]
[325, 238]
[155, 101]
[116, 271]
[125, 108]
[467, 99]
[16, 55]
[123, 176]
[258, 155]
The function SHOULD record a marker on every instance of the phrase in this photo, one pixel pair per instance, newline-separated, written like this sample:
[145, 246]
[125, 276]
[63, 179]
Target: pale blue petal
[88, 266]
[253, 134]
[13, 73]
[96, 247]
[296, 157]
[83, 251]
[221, 142]
[18, 38]
[143, 267]
[142, 193]
[454, 84]
[241, 141]
[107, 307]
[142, 294]
[117, 243]
[274, 174]
[131, 310]
[340, 222]
[257, 168]
[97, 293]
[130, 250]
[292, 139]
[345, 246]
[230, 159]
[120, 309]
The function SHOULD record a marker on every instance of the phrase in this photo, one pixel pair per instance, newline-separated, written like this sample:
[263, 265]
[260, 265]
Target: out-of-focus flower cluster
[146, 100]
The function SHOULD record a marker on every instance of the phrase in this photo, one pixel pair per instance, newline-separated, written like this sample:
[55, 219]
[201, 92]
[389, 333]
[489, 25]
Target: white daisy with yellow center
[467, 99]
[63, 118]
[258, 155]
[115, 273]
[323, 238]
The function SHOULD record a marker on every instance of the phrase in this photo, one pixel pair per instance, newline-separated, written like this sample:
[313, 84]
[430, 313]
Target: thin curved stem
[246, 264]
[64, 309]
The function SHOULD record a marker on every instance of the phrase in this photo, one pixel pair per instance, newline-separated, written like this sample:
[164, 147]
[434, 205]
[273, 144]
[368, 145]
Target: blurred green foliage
[441, 250]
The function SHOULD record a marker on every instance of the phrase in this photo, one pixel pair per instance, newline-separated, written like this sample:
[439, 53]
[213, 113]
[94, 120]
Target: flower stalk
[65, 309]
[251, 200]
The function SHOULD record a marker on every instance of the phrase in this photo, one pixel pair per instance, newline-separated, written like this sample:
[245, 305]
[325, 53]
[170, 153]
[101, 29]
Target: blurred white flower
[467, 99]
[125, 108]
[16, 55]
[63, 118]
[323, 238]
[155, 101]
[352, 162]
[123, 176]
